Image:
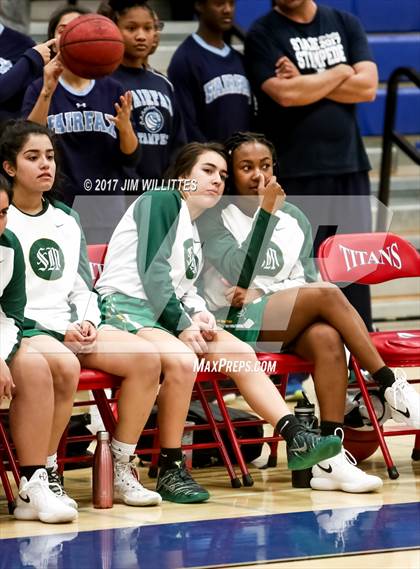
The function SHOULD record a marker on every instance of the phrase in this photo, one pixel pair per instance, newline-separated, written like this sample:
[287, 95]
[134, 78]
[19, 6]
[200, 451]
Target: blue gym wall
[393, 28]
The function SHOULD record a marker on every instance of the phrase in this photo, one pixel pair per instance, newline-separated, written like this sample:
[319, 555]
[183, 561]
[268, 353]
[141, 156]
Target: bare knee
[181, 371]
[32, 375]
[331, 295]
[66, 376]
[147, 367]
[327, 343]
[243, 350]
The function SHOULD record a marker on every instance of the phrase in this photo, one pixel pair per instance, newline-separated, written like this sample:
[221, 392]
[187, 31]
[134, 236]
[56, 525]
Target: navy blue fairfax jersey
[87, 137]
[212, 89]
[156, 118]
[19, 66]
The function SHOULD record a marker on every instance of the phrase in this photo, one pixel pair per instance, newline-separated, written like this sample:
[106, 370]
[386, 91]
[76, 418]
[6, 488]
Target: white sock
[52, 461]
[120, 449]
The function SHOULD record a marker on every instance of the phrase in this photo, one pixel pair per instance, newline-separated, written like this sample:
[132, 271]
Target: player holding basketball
[95, 145]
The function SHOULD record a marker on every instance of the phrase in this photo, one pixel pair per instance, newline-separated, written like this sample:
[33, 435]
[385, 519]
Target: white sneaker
[127, 488]
[341, 473]
[43, 551]
[56, 486]
[404, 401]
[37, 502]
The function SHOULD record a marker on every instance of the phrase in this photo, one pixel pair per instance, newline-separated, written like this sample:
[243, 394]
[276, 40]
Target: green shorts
[127, 313]
[245, 323]
[31, 332]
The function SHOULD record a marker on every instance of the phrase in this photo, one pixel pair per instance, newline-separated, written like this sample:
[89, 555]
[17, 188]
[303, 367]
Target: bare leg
[240, 363]
[322, 344]
[32, 407]
[175, 392]
[289, 312]
[138, 362]
[65, 370]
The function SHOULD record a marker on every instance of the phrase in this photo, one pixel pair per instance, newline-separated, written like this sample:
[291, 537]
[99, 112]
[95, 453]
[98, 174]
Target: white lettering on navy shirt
[86, 121]
[5, 65]
[151, 98]
[319, 52]
[228, 84]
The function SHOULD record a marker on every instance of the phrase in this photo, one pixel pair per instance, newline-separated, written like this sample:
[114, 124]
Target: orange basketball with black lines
[91, 46]
[361, 444]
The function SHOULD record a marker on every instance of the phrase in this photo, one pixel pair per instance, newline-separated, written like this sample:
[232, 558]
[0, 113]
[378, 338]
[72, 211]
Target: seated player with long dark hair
[61, 317]
[25, 379]
[148, 288]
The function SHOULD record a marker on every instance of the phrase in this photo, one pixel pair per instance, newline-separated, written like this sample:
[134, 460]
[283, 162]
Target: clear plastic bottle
[103, 473]
[305, 413]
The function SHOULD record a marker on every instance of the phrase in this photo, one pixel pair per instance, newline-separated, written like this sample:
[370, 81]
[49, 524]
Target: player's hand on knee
[207, 324]
[192, 337]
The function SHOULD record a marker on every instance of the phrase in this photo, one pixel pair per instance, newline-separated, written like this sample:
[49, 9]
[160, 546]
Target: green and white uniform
[58, 278]
[284, 261]
[153, 260]
[12, 294]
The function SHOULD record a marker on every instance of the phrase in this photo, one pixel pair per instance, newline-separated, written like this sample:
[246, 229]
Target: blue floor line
[230, 541]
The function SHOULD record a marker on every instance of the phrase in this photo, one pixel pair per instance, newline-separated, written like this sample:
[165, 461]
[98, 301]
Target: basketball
[91, 46]
[361, 444]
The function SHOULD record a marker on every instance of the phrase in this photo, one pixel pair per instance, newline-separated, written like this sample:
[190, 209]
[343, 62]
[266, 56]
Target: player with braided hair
[276, 303]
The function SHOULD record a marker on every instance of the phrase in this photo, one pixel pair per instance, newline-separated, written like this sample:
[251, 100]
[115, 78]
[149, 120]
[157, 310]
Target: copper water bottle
[103, 473]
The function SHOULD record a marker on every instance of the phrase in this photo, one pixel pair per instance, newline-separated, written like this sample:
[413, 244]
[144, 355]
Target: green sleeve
[235, 262]
[157, 215]
[13, 299]
[306, 252]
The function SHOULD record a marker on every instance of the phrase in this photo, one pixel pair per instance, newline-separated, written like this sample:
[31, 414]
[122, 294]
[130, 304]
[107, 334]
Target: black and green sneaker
[177, 485]
[308, 448]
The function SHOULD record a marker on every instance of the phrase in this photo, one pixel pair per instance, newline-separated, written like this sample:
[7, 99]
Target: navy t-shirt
[19, 66]
[156, 118]
[92, 163]
[87, 138]
[322, 138]
[212, 89]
